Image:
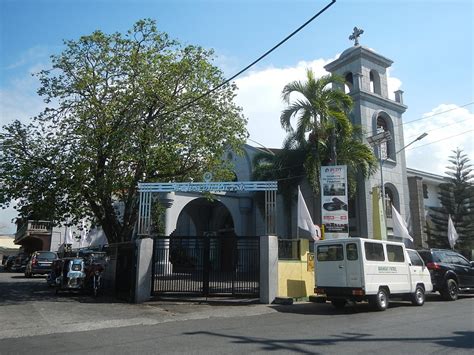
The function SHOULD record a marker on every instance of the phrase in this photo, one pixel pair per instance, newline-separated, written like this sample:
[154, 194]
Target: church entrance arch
[203, 216]
[203, 255]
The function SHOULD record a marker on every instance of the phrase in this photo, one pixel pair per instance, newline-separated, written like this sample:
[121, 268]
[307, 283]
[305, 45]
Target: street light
[420, 137]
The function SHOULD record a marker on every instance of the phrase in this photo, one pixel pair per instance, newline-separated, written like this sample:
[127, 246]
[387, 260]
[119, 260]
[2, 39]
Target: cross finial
[355, 35]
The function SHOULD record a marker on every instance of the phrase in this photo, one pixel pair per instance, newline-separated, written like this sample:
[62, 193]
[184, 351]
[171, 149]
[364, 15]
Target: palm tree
[285, 166]
[323, 129]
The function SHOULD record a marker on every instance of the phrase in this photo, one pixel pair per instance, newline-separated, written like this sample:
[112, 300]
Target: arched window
[384, 147]
[382, 122]
[349, 83]
[375, 82]
[391, 197]
[388, 202]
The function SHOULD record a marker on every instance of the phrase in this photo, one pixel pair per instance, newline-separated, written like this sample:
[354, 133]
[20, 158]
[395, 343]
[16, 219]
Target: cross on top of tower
[355, 35]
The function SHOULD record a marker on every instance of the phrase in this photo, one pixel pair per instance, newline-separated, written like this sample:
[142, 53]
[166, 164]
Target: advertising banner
[334, 201]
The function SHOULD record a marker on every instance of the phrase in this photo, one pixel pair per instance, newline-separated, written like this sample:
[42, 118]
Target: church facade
[241, 213]
[365, 74]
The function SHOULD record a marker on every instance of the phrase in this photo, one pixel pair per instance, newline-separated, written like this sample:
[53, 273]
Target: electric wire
[439, 140]
[434, 129]
[436, 114]
[209, 92]
[426, 117]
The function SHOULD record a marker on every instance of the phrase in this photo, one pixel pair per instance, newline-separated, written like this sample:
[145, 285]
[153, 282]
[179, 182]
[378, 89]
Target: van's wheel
[339, 304]
[418, 297]
[450, 291]
[380, 300]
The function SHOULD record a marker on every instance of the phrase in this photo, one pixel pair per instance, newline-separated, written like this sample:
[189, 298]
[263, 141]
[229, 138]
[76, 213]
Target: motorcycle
[95, 266]
[82, 272]
[68, 274]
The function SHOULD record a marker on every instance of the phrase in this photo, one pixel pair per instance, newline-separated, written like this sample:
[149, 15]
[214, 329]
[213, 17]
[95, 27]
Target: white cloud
[449, 127]
[393, 84]
[260, 97]
[32, 55]
[20, 101]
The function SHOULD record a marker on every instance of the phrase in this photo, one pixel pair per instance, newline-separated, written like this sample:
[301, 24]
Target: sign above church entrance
[208, 186]
[147, 189]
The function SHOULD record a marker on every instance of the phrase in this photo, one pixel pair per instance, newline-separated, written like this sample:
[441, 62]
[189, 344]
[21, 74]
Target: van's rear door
[354, 272]
[330, 265]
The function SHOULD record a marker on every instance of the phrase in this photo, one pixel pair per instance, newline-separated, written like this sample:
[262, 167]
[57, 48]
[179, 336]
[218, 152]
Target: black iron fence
[121, 270]
[289, 249]
[206, 265]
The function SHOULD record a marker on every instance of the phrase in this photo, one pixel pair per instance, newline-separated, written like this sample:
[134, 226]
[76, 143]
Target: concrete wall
[294, 279]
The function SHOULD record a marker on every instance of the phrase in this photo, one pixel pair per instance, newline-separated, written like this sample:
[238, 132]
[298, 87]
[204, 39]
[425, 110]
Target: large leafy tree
[323, 129]
[456, 197]
[123, 108]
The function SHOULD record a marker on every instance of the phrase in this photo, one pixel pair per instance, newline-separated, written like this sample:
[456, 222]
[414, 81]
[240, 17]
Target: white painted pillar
[167, 202]
[268, 268]
[144, 268]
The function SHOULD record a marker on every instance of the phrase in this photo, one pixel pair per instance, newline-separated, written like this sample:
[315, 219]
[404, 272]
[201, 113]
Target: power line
[186, 105]
[434, 129]
[426, 117]
[436, 114]
[442, 139]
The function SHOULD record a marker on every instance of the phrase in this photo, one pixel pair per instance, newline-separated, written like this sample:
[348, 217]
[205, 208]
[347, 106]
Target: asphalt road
[34, 319]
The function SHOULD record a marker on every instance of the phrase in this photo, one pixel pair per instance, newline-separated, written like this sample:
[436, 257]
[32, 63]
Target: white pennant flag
[452, 234]
[399, 227]
[85, 242]
[68, 237]
[304, 218]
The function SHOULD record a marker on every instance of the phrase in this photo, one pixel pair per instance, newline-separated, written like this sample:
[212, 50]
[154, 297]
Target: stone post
[399, 96]
[144, 269]
[268, 268]
[357, 82]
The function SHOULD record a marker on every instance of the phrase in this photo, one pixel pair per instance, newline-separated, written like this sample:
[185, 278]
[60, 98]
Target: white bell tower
[365, 74]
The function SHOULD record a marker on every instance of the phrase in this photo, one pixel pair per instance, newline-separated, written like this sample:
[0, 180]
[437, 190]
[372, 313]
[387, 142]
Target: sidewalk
[75, 313]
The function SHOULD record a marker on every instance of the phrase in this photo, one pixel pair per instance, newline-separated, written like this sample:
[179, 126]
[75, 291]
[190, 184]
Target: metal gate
[206, 266]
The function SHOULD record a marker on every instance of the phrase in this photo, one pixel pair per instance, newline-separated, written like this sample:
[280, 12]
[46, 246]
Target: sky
[430, 41]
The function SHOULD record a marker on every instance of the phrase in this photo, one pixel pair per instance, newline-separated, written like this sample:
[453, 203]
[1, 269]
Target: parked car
[40, 263]
[9, 263]
[19, 265]
[451, 273]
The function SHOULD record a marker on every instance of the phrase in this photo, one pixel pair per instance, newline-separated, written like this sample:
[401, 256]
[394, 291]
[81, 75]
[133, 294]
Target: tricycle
[76, 274]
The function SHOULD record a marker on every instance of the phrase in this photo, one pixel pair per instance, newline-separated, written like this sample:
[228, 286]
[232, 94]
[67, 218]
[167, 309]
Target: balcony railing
[33, 228]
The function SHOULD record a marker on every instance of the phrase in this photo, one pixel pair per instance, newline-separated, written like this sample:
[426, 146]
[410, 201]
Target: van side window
[395, 253]
[415, 258]
[351, 251]
[374, 252]
[333, 252]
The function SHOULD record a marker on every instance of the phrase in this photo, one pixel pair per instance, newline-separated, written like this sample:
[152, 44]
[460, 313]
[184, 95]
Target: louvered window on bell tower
[348, 83]
[375, 82]
[384, 147]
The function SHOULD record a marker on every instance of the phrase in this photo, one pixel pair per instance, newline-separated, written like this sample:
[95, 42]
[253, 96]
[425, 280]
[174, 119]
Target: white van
[358, 269]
